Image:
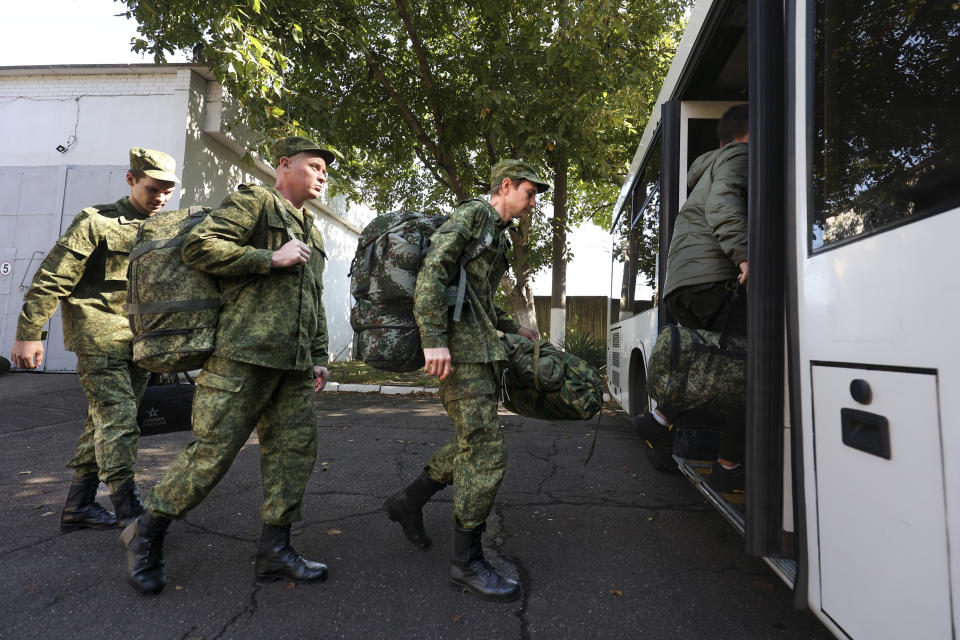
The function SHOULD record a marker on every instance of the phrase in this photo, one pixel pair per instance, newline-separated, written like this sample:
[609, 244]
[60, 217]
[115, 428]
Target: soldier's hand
[27, 354]
[743, 274]
[294, 252]
[321, 376]
[437, 362]
[528, 333]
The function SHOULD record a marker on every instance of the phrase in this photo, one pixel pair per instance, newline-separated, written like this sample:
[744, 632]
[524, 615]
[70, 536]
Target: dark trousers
[714, 307]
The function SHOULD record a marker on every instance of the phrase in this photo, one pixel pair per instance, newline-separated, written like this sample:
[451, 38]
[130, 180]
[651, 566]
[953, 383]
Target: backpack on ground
[541, 381]
[698, 369]
[383, 276]
[173, 308]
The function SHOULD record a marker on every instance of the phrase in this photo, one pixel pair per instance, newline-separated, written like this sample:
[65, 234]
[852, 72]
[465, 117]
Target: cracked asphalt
[611, 549]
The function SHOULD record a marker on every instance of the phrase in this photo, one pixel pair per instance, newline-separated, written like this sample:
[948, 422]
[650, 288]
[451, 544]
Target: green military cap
[292, 145]
[516, 170]
[155, 164]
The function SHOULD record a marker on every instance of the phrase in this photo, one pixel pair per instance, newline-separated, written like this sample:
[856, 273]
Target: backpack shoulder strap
[476, 247]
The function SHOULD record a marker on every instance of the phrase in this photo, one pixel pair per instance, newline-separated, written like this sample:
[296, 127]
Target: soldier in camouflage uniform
[465, 355]
[269, 359]
[86, 272]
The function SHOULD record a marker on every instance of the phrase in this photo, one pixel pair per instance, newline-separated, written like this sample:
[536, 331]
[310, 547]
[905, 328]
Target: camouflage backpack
[383, 276]
[540, 381]
[173, 309]
[698, 369]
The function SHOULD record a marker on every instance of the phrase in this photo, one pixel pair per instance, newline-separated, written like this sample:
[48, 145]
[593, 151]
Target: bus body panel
[876, 311]
[881, 309]
[630, 339]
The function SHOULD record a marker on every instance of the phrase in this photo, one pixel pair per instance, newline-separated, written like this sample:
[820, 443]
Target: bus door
[877, 301]
[696, 134]
[690, 130]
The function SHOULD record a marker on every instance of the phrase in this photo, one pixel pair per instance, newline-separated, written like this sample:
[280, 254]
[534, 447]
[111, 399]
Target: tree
[423, 99]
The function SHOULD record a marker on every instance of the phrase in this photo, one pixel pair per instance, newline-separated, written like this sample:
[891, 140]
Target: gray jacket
[710, 235]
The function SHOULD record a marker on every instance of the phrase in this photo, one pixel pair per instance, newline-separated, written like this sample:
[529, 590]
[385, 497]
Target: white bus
[853, 400]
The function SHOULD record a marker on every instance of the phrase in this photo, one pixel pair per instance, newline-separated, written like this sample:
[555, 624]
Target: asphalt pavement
[609, 549]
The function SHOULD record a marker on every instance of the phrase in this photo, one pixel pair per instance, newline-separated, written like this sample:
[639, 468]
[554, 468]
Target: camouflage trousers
[232, 399]
[108, 444]
[475, 461]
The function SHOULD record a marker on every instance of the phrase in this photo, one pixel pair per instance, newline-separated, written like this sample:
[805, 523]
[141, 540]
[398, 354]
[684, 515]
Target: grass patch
[356, 372]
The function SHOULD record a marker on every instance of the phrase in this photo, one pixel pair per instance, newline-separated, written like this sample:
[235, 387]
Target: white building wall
[100, 112]
[104, 112]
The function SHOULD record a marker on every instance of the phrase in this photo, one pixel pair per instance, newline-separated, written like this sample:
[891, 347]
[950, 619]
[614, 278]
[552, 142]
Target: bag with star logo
[166, 404]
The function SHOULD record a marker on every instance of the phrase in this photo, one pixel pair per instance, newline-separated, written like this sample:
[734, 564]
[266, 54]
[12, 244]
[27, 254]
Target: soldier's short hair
[734, 123]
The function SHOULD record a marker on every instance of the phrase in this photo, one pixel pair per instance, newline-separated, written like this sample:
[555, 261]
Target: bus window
[638, 232]
[887, 86]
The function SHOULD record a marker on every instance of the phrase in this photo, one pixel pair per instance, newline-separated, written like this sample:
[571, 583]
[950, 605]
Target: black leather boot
[276, 559]
[126, 501]
[82, 511]
[406, 507]
[470, 572]
[142, 543]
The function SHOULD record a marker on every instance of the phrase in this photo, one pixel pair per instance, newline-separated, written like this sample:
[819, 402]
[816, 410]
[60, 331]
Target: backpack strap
[476, 247]
[146, 308]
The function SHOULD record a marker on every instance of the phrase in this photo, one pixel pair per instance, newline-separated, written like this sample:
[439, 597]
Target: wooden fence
[585, 314]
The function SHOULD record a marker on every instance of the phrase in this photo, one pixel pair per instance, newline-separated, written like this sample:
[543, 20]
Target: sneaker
[726, 480]
[658, 441]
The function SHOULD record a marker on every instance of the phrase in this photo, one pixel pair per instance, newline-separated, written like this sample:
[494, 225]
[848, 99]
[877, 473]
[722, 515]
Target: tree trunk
[519, 291]
[558, 293]
[521, 301]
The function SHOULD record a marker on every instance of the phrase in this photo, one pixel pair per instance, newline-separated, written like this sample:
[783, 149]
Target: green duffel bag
[540, 381]
[698, 369]
[532, 364]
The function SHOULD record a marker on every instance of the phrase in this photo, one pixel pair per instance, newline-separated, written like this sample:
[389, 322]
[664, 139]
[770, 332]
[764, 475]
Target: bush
[587, 348]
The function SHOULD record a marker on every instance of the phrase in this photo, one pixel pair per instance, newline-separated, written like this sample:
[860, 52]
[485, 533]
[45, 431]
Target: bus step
[730, 506]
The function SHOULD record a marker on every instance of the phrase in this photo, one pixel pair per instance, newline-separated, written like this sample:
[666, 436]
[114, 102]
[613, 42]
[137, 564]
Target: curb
[386, 389]
[389, 389]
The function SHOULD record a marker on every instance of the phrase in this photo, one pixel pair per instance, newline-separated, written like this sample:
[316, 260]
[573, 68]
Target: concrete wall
[97, 113]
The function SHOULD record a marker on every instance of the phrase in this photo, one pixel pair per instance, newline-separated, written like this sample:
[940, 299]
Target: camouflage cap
[154, 164]
[292, 145]
[516, 170]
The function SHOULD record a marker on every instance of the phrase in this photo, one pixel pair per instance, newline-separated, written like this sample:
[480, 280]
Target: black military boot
[82, 511]
[276, 559]
[406, 507]
[142, 543]
[470, 572]
[126, 501]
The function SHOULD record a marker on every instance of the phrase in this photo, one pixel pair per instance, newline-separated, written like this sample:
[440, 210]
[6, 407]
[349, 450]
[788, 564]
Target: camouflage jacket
[277, 318]
[474, 338]
[86, 272]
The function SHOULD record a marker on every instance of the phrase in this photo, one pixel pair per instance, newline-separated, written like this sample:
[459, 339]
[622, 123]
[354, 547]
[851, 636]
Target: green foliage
[586, 347]
[423, 99]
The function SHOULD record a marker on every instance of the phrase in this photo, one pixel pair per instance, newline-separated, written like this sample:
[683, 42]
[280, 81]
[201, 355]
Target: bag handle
[734, 295]
[536, 364]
